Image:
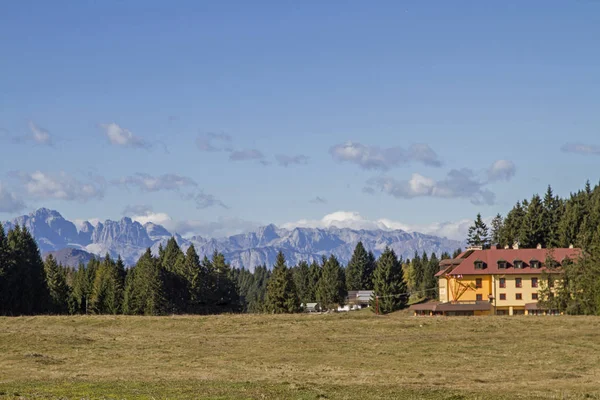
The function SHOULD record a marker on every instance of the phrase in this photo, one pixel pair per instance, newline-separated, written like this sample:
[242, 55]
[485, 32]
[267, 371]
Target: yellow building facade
[493, 281]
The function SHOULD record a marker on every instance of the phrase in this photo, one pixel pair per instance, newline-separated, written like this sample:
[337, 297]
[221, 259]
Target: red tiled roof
[491, 257]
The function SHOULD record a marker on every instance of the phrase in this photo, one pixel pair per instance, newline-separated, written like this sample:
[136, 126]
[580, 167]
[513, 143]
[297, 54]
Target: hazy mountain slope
[130, 239]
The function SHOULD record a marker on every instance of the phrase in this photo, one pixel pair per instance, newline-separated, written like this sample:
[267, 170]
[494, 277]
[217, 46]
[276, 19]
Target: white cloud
[149, 183]
[9, 202]
[377, 158]
[580, 148]
[501, 170]
[458, 183]
[119, 136]
[39, 134]
[212, 142]
[223, 226]
[350, 219]
[60, 186]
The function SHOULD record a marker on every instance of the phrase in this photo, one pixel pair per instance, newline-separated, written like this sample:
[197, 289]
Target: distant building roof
[465, 265]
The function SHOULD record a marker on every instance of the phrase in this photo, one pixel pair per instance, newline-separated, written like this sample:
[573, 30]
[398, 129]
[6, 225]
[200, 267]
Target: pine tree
[457, 253]
[144, 291]
[478, 233]
[226, 295]
[512, 230]
[533, 227]
[430, 285]
[281, 291]
[301, 275]
[389, 285]
[496, 226]
[331, 290]
[107, 290]
[357, 268]
[418, 274]
[195, 277]
[314, 276]
[171, 260]
[553, 210]
[57, 286]
[367, 281]
[4, 270]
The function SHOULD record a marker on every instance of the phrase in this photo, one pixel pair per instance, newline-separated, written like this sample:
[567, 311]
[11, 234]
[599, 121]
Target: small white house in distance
[311, 307]
[359, 298]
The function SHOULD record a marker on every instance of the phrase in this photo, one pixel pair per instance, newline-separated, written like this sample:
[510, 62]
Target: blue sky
[214, 117]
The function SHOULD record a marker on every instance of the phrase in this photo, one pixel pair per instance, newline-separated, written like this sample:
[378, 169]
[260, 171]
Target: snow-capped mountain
[130, 239]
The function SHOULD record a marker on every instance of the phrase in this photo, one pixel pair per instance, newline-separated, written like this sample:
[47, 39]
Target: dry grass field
[343, 356]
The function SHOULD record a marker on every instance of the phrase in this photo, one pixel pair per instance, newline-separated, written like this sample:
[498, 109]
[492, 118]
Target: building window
[479, 297]
[501, 264]
[518, 282]
[534, 264]
[534, 296]
[478, 284]
[519, 296]
[534, 282]
[502, 296]
[518, 264]
[479, 264]
[502, 283]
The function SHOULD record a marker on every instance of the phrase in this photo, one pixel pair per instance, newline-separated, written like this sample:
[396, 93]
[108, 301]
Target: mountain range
[72, 243]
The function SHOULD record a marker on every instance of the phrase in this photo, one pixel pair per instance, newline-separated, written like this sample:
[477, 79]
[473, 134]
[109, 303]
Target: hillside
[129, 239]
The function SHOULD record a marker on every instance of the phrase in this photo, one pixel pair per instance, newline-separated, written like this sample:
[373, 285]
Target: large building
[494, 281]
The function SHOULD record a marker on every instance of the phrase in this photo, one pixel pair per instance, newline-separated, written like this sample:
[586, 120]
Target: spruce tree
[194, 275]
[4, 270]
[226, 295]
[367, 280]
[171, 260]
[430, 285]
[389, 285]
[496, 230]
[107, 290]
[144, 291]
[331, 290]
[281, 291]
[533, 227]
[314, 275]
[357, 268]
[478, 233]
[57, 286]
[301, 275]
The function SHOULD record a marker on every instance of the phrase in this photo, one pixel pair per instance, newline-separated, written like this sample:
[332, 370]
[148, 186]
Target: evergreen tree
[172, 259]
[430, 286]
[367, 281]
[533, 227]
[301, 275]
[24, 289]
[314, 276]
[357, 269]
[144, 291]
[107, 290]
[418, 274]
[512, 230]
[553, 211]
[57, 286]
[195, 277]
[331, 290]
[478, 233]
[281, 291]
[496, 226]
[457, 253]
[389, 285]
[226, 295]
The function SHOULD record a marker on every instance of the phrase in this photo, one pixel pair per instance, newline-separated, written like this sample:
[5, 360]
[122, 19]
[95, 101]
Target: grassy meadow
[339, 356]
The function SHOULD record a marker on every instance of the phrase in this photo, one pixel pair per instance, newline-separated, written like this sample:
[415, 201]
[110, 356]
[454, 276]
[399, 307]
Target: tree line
[178, 282]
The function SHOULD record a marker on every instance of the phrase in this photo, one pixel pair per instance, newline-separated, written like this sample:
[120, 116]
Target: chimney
[516, 246]
[539, 246]
[506, 247]
[570, 246]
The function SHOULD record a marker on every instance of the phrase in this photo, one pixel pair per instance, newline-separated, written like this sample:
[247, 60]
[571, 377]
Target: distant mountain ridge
[130, 239]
